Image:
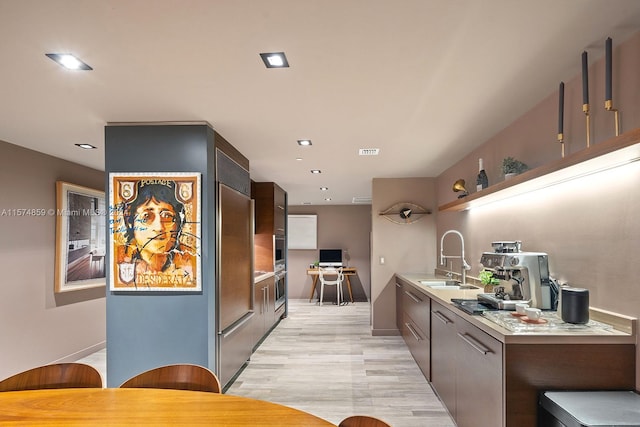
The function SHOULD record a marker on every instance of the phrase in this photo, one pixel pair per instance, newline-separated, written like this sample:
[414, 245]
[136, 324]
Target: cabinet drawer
[418, 343]
[418, 307]
[444, 341]
[482, 345]
[479, 362]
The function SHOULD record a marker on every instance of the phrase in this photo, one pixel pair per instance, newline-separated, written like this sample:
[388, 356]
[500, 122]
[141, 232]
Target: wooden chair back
[178, 377]
[362, 421]
[60, 375]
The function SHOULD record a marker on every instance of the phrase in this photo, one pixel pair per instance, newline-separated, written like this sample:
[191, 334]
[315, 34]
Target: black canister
[575, 305]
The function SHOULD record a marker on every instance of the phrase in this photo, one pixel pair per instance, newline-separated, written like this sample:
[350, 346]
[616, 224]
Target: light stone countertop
[621, 329]
[259, 276]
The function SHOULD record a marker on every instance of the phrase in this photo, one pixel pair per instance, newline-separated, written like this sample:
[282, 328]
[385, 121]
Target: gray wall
[404, 247]
[38, 326]
[150, 329]
[339, 227]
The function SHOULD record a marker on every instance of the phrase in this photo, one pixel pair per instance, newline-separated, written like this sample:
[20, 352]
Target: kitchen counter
[604, 328]
[259, 276]
[509, 363]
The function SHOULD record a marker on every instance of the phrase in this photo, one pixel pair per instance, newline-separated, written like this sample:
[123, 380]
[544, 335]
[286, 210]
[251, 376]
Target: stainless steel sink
[446, 284]
[439, 282]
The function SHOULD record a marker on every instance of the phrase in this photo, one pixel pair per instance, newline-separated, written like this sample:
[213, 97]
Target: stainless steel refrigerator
[234, 280]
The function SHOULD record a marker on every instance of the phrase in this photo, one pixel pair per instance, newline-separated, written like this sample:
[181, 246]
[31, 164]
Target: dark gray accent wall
[150, 329]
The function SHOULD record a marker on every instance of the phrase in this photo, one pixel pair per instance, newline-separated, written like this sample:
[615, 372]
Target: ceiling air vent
[369, 151]
[361, 200]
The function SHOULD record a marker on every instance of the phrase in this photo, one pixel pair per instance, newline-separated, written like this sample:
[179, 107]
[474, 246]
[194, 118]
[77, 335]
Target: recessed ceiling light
[298, 158]
[68, 61]
[306, 203]
[316, 171]
[328, 199]
[324, 188]
[86, 146]
[304, 142]
[274, 60]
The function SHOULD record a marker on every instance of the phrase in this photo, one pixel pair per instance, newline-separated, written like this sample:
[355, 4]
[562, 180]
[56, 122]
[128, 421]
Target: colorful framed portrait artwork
[155, 232]
[80, 237]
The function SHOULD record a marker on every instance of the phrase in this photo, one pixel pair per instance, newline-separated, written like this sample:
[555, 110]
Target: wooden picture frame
[155, 238]
[80, 238]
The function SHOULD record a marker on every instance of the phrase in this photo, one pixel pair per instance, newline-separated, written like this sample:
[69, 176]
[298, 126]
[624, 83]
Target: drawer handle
[442, 317]
[413, 297]
[474, 343]
[413, 331]
[398, 285]
[236, 326]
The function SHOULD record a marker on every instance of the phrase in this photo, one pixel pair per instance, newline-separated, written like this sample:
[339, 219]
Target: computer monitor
[330, 258]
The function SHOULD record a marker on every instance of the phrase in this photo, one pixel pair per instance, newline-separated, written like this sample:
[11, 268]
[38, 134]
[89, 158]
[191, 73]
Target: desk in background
[145, 406]
[347, 271]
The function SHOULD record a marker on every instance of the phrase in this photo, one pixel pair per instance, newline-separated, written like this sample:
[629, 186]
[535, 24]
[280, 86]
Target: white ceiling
[426, 81]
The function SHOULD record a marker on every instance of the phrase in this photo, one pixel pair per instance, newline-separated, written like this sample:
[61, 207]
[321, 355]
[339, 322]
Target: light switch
[381, 260]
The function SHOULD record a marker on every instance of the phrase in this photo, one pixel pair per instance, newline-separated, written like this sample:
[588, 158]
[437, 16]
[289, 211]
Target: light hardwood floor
[324, 360]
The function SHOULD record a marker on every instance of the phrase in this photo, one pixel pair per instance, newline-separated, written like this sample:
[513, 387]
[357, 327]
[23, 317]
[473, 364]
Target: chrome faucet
[443, 257]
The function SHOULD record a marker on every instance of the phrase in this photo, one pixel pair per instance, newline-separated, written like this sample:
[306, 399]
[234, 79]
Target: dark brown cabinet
[478, 377]
[279, 210]
[466, 369]
[270, 240]
[399, 313]
[443, 362]
[264, 309]
[412, 313]
[485, 380]
[270, 224]
[418, 342]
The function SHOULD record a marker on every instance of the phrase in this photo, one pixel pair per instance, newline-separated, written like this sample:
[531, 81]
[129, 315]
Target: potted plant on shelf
[487, 279]
[512, 167]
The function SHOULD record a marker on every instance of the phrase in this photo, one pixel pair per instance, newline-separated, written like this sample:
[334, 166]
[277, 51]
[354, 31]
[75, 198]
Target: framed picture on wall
[303, 231]
[155, 232]
[80, 237]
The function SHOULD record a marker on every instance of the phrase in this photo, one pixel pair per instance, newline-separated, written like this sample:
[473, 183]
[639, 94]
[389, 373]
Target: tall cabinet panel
[271, 214]
[235, 215]
[235, 267]
[271, 237]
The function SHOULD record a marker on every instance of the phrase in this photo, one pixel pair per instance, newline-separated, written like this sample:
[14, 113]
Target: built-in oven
[279, 249]
[280, 285]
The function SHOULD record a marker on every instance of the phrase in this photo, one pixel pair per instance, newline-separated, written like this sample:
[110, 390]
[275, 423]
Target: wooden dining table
[144, 406]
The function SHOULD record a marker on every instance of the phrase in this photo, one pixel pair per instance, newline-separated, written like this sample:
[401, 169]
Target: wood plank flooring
[324, 360]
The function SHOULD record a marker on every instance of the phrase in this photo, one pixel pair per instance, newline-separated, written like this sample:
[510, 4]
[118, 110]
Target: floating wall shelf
[613, 152]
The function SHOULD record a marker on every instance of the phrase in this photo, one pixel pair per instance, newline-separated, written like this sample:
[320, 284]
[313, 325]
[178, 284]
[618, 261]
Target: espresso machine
[523, 276]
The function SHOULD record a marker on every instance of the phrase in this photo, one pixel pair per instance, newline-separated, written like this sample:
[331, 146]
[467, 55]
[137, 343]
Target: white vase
[509, 175]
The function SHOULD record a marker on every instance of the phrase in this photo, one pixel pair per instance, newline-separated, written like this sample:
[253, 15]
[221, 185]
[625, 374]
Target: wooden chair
[362, 421]
[179, 377]
[60, 375]
[337, 282]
